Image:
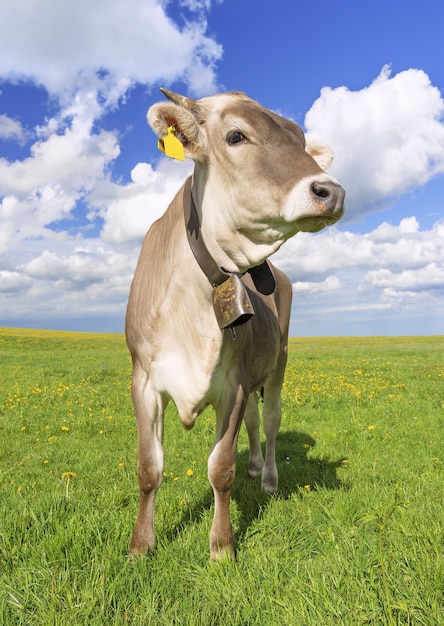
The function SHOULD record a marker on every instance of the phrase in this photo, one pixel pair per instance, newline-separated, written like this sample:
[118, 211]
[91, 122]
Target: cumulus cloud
[45, 187]
[13, 282]
[129, 210]
[11, 129]
[388, 137]
[69, 46]
[328, 284]
[390, 269]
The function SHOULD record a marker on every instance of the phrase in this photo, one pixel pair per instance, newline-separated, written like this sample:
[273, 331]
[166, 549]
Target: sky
[81, 178]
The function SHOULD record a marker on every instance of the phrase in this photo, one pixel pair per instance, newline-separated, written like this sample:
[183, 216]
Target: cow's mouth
[314, 224]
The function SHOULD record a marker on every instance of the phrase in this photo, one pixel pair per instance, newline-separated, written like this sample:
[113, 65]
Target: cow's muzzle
[330, 198]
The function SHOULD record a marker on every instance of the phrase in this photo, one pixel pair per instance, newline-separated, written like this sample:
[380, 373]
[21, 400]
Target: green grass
[355, 535]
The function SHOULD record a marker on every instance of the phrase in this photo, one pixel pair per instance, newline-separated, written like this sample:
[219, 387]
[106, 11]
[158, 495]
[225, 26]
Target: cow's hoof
[270, 484]
[223, 555]
[254, 472]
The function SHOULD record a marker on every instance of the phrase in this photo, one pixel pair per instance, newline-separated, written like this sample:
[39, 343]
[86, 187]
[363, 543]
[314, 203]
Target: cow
[208, 315]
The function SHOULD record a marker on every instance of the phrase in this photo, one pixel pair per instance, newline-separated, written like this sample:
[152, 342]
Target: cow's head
[257, 180]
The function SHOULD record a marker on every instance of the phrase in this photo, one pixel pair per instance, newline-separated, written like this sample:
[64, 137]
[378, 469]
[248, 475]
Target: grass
[354, 536]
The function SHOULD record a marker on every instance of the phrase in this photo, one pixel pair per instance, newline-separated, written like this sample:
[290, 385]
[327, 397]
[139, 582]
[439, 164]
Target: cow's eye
[235, 137]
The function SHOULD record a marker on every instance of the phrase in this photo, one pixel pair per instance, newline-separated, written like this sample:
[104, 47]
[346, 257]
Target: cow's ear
[186, 128]
[322, 154]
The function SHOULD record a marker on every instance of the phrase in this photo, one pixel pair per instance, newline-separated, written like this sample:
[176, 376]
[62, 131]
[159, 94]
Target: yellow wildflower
[69, 475]
[65, 429]
[190, 472]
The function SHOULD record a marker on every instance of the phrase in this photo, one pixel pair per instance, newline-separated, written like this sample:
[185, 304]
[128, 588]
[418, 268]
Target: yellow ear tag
[171, 146]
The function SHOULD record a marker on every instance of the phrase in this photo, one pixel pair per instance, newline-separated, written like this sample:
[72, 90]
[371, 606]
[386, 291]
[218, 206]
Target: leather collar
[261, 275]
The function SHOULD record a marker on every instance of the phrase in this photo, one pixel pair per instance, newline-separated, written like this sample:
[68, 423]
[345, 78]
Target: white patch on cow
[303, 209]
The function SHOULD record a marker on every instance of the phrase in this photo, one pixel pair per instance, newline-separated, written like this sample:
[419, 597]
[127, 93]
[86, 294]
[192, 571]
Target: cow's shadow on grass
[298, 472]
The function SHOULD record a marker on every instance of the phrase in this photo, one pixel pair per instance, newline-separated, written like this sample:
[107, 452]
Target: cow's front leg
[149, 407]
[221, 472]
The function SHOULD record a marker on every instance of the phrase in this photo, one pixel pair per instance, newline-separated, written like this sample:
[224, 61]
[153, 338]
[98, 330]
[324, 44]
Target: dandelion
[51, 438]
[23, 428]
[344, 462]
[190, 472]
[100, 432]
[307, 488]
[68, 476]
[370, 428]
[19, 488]
[65, 429]
[176, 478]
[45, 461]
[121, 464]
[306, 446]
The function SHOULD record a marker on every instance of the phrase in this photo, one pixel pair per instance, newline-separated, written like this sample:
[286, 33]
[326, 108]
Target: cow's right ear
[186, 128]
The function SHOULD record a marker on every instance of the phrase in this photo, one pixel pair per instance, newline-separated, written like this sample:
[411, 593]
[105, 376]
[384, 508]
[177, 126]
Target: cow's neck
[232, 304]
[215, 274]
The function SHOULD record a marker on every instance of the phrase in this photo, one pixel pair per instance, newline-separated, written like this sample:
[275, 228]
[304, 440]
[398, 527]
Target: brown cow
[198, 333]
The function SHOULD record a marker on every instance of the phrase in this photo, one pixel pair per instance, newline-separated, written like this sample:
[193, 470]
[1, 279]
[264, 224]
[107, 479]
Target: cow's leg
[272, 421]
[271, 416]
[221, 472]
[252, 422]
[149, 407]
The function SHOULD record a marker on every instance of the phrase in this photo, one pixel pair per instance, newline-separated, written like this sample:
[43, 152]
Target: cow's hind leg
[149, 407]
[221, 472]
[252, 423]
[272, 419]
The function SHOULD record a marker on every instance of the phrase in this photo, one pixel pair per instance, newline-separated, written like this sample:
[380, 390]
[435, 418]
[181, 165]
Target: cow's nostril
[329, 196]
[321, 191]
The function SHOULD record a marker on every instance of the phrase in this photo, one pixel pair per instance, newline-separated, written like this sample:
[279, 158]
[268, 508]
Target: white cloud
[45, 187]
[129, 210]
[67, 46]
[11, 129]
[341, 275]
[424, 278]
[388, 138]
[330, 283]
[13, 282]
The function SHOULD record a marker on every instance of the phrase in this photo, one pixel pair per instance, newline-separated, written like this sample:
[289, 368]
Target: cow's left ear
[186, 128]
[322, 154]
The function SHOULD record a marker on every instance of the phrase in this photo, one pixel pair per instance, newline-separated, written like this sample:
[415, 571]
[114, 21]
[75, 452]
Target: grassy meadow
[354, 536]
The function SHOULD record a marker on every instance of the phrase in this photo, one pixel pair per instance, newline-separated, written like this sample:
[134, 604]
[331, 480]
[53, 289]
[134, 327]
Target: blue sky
[81, 179]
